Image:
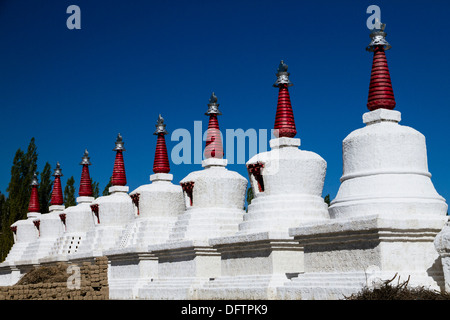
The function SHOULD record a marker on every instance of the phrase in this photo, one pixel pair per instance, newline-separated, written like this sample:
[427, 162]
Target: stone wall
[93, 285]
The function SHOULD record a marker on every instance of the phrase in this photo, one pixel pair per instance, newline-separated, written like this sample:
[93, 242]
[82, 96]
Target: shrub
[45, 274]
[399, 291]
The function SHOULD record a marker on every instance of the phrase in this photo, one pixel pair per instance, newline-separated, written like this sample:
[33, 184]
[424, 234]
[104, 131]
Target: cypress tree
[327, 199]
[250, 196]
[45, 188]
[2, 208]
[95, 189]
[4, 226]
[6, 236]
[19, 191]
[69, 193]
[106, 190]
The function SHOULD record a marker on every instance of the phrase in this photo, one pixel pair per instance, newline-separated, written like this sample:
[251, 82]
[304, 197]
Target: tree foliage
[15, 206]
[106, 190]
[250, 197]
[45, 188]
[327, 199]
[69, 193]
[22, 171]
[2, 208]
[95, 189]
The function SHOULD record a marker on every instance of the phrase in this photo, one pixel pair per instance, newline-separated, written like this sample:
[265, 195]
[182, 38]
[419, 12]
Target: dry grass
[43, 274]
[399, 291]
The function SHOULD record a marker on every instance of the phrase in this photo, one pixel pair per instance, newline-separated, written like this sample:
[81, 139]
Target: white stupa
[385, 169]
[386, 213]
[49, 224]
[158, 204]
[110, 213]
[26, 231]
[214, 200]
[287, 186]
[215, 195]
[157, 207]
[287, 182]
[75, 220]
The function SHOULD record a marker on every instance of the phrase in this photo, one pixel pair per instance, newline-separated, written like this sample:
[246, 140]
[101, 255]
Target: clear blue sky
[76, 89]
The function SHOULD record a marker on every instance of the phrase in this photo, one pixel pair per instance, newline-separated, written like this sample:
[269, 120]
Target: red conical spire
[85, 182]
[119, 178]
[381, 94]
[57, 194]
[161, 162]
[284, 118]
[214, 146]
[34, 198]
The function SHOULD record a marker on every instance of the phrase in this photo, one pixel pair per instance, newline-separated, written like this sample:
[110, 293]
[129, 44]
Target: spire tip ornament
[213, 98]
[34, 180]
[378, 37]
[119, 143]
[57, 172]
[85, 158]
[160, 126]
[283, 75]
[213, 106]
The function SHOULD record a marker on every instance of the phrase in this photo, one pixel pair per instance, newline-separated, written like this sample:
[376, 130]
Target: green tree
[250, 196]
[95, 189]
[3, 212]
[19, 190]
[45, 188]
[69, 193]
[327, 199]
[2, 208]
[106, 190]
[5, 244]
